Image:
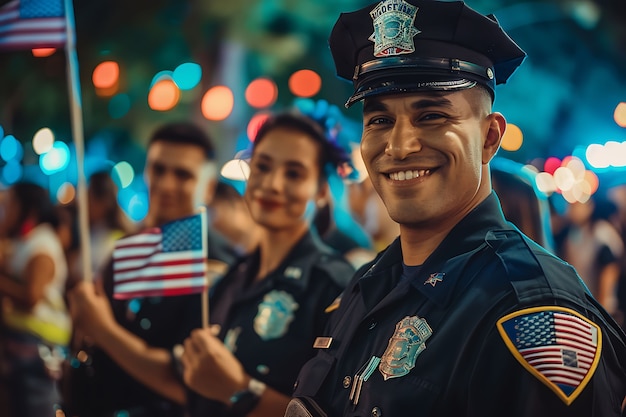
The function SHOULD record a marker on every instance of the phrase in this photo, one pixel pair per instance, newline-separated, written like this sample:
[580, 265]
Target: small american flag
[29, 24]
[161, 261]
[561, 347]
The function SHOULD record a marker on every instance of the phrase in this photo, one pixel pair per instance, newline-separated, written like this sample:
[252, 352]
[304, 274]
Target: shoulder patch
[557, 345]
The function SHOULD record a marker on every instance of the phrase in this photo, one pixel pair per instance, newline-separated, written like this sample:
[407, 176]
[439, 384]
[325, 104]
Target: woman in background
[36, 326]
[271, 304]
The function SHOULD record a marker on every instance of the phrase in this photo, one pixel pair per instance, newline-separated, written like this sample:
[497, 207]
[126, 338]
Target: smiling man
[462, 315]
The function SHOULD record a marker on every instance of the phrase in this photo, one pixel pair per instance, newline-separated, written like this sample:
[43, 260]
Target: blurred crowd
[40, 260]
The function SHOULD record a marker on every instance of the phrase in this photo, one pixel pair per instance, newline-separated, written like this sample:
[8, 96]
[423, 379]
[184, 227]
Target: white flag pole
[76, 114]
[205, 253]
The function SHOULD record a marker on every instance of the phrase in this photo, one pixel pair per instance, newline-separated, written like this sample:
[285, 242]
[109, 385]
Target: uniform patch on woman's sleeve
[557, 345]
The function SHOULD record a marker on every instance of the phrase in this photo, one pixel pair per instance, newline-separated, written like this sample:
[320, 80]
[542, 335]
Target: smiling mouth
[409, 174]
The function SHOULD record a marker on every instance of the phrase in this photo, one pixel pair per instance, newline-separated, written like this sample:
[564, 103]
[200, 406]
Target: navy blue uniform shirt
[491, 325]
[271, 325]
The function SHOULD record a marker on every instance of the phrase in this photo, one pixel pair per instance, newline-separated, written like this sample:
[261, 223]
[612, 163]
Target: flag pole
[205, 253]
[76, 114]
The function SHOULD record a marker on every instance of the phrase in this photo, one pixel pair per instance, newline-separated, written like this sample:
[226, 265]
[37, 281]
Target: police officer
[272, 303]
[462, 315]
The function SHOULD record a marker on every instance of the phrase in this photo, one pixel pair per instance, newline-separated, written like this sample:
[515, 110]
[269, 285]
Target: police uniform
[100, 388]
[437, 342]
[270, 325]
[491, 324]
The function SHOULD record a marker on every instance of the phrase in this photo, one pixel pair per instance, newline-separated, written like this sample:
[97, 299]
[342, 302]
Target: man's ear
[493, 137]
[209, 191]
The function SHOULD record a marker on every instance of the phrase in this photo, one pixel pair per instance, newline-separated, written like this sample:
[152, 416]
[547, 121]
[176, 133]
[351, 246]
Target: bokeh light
[12, 172]
[620, 114]
[551, 165]
[261, 93]
[125, 173]
[43, 140]
[187, 75]
[217, 103]
[305, 83]
[105, 78]
[56, 159]
[512, 139]
[236, 169]
[545, 183]
[66, 193]
[255, 124]
[43, 52]
[11, 148]
[163, 95]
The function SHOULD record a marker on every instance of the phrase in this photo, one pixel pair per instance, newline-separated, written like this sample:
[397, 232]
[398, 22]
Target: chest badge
[407, 342]
[275, 313]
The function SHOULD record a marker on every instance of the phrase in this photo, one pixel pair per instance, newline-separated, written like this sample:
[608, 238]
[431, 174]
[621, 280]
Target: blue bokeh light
[56, 159]
[187, 75]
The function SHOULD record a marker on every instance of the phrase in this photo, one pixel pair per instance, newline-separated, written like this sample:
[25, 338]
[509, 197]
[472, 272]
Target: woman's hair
[34, 201]
[103, 189]
[330, 156]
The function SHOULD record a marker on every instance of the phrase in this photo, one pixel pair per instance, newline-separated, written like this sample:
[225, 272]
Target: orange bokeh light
[261, 93]
[217, 103]
[255, 124]
[305, 83]
[620, 114]
[164, 95]
[592, 179]
[106, 75]
[513, 138]
[43, 52]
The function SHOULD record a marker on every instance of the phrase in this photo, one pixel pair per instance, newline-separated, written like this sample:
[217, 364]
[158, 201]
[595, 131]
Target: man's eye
[432, 116]
[378, 120]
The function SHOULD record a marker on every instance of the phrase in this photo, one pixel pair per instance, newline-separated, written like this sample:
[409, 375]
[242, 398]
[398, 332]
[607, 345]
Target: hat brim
[408, 84]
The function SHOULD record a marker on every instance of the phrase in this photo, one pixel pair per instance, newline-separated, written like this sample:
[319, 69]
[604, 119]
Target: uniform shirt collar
[441, 271]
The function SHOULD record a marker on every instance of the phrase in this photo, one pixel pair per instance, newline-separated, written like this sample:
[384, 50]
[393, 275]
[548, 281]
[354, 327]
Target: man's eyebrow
[373, 105]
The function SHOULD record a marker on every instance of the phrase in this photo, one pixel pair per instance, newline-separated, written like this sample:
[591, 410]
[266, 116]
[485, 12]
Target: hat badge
[393, 28]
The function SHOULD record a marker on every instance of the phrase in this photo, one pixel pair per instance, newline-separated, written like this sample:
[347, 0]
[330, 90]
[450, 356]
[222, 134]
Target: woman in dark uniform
[271, 304]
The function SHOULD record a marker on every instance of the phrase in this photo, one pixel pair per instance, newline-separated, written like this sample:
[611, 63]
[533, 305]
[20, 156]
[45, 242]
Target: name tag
[322, 342]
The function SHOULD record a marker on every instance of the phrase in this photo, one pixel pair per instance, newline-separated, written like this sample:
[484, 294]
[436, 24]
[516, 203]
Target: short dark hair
[184, 133]
[34, 200]
[328, 155]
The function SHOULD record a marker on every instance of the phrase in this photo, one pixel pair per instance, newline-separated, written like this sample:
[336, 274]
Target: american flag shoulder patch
[557, 345]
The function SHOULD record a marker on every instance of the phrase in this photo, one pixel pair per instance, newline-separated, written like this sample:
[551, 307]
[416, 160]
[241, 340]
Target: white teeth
[408, 175]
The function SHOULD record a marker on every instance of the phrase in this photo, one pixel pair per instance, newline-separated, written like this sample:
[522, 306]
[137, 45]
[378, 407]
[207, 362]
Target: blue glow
[134, 202]
[1, 132]
[119, 106]
[187, 75]
[56, 159]
[10, 148]
[12, 172]
[161, 75]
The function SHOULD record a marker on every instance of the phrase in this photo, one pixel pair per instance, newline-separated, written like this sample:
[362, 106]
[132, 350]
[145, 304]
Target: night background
[565, 97]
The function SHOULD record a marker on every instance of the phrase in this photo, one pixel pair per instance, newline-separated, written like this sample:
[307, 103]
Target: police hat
[400, 46]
